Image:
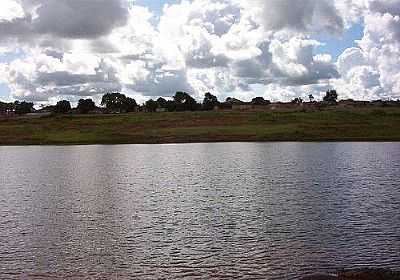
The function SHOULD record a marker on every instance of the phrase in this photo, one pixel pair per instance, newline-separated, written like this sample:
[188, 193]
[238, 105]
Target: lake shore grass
[331, 124]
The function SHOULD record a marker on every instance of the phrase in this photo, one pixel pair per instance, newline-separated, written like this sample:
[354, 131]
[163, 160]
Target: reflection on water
[209, 211]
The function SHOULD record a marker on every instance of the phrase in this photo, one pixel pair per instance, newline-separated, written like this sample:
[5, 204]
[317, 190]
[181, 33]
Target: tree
[260, 101]
[311, 97]
[331, 96]
[3, 107]
[23, 107]
[129, 105]
[297, 100]
[162, 103]
[117, 102]
[112, 101]
[62, 107]
[171, 106]
[209, 102]
[168, 105]
[6, 108]
[86, 105]
[184, 102]
[151, 105]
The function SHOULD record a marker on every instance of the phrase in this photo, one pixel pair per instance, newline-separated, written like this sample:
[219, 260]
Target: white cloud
[372, 70]
[10, 9]
[229, 47]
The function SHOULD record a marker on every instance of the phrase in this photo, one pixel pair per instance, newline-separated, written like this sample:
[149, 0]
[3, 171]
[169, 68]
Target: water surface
[198, 211]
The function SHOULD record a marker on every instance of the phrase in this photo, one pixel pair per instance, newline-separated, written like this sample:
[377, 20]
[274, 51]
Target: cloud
[10, 9]
[297, 64]
[371, 71]
[79, 19]
[40, 77]
[301, 15]
[228, 47]
[70, 19]
[387, 6]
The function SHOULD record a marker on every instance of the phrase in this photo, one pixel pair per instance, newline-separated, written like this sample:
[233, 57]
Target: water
[201, 211]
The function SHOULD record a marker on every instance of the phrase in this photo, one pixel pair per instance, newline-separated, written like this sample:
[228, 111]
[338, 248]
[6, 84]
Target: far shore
[331, 124]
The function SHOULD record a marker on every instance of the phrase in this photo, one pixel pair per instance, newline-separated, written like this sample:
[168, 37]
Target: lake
[198, 211]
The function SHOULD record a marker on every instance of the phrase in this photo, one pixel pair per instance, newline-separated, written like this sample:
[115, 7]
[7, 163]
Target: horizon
[200, 101]
[149, 49]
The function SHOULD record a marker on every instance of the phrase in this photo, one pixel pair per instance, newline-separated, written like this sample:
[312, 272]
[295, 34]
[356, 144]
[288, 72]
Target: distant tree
[232, 100]
[168, 105]
[184, 102]
[23, 107]
[3, 107]
[112, 101]
[311, 97]
[151, 105]
[162, 103]
[297, 100]
[331, 96]
[117, 102]
[6, 108]
[85, 106]
[130, 105]
[171, 106]
[62, 107]
[209, 102]
[260, 101]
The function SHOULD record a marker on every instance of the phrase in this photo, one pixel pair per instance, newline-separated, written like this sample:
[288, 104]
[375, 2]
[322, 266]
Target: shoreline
[338, 141]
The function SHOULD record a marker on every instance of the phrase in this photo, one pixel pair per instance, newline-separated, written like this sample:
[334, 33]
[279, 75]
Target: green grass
[327, 125]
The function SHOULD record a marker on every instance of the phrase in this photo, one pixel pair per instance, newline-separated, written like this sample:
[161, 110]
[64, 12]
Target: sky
[278, 49]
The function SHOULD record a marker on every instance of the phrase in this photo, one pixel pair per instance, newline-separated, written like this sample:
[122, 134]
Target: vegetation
[297, 101]
[331, 97]
[151, 105]
[331, 123]
[260, 101]
[182, 119]
[62, 107]
[85, 106]
[19, 108]
[118, 103]
[184, 102]
[210, 101]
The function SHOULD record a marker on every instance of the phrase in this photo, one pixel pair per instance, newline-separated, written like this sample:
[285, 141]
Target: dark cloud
[71, 19]
[79, 18]
[387, 6]
[301, 15]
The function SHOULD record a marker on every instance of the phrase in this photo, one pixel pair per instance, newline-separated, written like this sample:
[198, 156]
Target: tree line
[120, 103]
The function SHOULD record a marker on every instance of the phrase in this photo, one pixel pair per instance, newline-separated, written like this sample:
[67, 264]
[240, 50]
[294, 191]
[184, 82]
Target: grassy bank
[368, 124]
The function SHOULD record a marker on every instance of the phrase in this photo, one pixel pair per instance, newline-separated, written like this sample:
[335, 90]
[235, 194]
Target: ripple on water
[204, 211]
